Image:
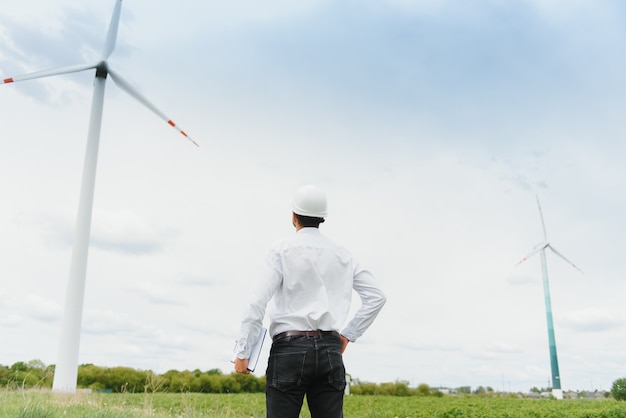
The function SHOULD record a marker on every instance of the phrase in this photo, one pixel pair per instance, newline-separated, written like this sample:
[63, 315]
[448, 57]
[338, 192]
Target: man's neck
[299, 227]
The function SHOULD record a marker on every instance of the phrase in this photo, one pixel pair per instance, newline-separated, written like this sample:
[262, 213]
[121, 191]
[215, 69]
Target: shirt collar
[308, 230]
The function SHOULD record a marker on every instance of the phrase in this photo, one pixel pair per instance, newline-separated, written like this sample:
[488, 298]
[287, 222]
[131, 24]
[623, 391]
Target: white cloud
[576, 10]
[129, 233]
[157, 294]
[42, 309]
[10, 321]
[592, 320]
[36, 307]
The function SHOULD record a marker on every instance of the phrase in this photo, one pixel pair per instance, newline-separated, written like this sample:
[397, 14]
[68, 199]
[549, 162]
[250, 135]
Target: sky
[433, 126]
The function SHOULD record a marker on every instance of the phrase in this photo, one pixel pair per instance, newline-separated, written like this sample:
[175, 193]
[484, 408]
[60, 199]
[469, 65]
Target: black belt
[316, 333]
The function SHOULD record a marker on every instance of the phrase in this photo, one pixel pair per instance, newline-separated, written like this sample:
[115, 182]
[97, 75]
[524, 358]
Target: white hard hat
[310, 201]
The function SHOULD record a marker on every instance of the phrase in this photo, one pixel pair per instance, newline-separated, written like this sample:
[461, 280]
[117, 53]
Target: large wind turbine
[540, 248]
[66, 371]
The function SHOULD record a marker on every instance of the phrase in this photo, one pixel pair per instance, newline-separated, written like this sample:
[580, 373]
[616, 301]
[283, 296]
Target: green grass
[44, 404]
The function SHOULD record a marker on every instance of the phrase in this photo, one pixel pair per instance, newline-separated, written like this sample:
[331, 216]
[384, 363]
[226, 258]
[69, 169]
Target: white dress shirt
[309, 280]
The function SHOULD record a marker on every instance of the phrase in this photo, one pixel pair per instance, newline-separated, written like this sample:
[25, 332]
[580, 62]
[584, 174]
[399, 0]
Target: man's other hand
[344, 343]
[241, 366]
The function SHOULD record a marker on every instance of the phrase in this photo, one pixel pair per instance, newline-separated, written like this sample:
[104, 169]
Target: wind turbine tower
[66, 371]
[540, 248]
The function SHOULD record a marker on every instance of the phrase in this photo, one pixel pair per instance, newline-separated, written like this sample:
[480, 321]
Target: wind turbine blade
[543, 224]
[533, 252]
[109, 43]
[51, 72]
[563, 257]
[123, 84]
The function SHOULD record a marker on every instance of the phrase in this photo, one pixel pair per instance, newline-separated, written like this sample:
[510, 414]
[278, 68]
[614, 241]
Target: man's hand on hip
[344, 343]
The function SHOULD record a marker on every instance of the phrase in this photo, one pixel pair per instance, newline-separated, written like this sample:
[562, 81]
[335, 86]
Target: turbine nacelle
[102, 69]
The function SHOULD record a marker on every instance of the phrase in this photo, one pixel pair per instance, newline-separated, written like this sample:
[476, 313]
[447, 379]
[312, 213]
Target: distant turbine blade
[109, 44]
[51, 72]
[533, 252]
[123, 84]
[543, 224]
[566, 260]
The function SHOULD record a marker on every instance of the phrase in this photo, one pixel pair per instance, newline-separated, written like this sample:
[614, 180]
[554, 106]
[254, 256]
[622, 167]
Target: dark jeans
[310, 365]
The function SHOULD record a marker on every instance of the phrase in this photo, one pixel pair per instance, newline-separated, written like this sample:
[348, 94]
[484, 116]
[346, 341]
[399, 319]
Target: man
[310, 280]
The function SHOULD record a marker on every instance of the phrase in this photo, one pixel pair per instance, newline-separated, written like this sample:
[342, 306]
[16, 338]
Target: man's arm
[252, 322]
[372, 301]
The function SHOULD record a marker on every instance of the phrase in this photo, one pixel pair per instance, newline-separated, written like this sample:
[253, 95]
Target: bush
[394, 389]
[618, 390]
[363, 388]
[423, 389]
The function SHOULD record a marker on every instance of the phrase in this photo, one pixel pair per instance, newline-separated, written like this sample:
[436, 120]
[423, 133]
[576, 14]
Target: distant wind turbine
[66, 371]
[540, 248]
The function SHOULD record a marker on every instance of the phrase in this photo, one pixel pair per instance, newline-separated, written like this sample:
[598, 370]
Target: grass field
[44, 404]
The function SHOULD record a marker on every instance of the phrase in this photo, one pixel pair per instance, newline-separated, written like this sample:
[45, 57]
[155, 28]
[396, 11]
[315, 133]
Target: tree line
[35, 374]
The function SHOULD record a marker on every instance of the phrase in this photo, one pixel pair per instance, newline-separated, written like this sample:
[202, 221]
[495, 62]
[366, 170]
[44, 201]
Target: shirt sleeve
[254, 311]
[372, 301]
